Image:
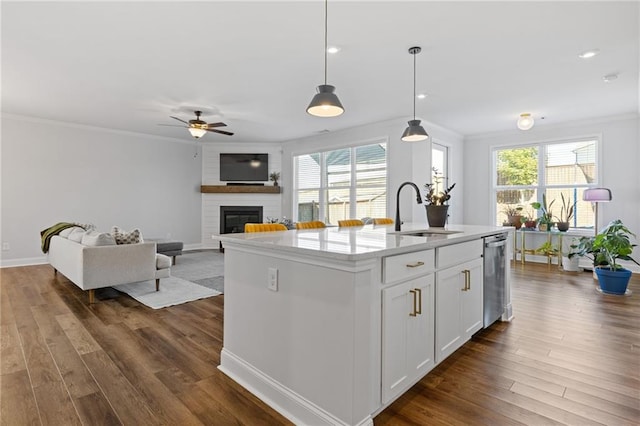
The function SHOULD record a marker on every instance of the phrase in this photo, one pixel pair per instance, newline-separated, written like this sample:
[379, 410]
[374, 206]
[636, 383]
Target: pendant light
[325, 103]
[415, 132]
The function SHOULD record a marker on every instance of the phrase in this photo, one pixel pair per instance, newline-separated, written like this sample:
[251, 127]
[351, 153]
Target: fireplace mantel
[239, 189]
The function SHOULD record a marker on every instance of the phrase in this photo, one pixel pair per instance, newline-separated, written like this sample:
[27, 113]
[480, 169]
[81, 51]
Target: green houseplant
[514, 215]
[611, 244]
[275, 176]
[545, 220]
[436, 200]
[566, 213]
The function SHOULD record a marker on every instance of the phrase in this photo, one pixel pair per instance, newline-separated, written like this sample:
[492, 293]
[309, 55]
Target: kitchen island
[329, 326]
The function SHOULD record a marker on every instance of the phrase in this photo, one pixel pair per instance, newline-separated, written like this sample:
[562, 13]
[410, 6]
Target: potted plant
[514, 215]
[274, 176]
[569, 258]
[436, 200]
[613, 243]
[545, 220]
[566, 213]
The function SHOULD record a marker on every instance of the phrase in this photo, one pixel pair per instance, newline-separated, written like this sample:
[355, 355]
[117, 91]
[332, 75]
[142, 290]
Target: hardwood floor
[570, 356]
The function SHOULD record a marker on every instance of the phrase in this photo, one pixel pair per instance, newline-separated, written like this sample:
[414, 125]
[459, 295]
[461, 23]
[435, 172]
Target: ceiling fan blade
[172, 125]
[216, 125]
[179, 119]
[222, 132]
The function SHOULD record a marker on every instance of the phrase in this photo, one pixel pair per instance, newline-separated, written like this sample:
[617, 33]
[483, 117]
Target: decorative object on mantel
[436, 200]
[274, 176]
[415, 132]
[325, 103]
[198, 128]
[239, 189]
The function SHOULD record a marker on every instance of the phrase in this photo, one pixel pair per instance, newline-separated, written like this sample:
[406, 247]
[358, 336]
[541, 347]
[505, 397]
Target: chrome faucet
[418, 199]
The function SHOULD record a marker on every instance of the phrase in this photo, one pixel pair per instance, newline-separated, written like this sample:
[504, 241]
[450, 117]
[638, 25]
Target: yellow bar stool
[350, 222]
[264, 227]
[382, 221]
[314, 224]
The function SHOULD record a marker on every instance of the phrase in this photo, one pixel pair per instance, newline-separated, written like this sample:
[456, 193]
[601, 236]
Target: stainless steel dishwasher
[495, 248]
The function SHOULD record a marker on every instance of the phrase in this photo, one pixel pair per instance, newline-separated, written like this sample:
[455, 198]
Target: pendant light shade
[525, 122]
[415, 132]
[325, 103]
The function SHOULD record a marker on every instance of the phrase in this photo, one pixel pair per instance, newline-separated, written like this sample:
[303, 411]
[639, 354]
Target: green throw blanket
[51, 231]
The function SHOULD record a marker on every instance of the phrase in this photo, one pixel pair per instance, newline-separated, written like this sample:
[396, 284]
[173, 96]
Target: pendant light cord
[325, 39]
[414, 85]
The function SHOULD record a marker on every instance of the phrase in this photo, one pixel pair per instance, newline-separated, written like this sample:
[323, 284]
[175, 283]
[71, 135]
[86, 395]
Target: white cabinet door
[458, 306]
[407, 334]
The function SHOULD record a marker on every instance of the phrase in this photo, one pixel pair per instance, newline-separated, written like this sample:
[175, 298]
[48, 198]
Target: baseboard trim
[282, 399]
[27, 261]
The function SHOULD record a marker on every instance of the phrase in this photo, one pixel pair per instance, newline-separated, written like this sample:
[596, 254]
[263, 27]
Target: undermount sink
[429, 232]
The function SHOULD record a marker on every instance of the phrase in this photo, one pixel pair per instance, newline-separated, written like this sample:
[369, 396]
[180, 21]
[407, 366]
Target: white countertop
[359, 242]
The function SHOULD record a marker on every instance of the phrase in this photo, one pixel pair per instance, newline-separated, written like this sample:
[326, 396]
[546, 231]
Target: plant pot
[436, 215]
[563, 226]
[515, 220]
[530, 224]
[613, 282]
[543, 227]
[570, 265]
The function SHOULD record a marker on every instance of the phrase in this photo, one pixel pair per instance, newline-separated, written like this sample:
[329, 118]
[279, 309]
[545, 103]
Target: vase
[563, 226]
[436, 215]
[613, 282]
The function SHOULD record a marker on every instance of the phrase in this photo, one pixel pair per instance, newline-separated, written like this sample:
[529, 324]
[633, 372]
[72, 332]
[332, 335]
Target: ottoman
[167, 247]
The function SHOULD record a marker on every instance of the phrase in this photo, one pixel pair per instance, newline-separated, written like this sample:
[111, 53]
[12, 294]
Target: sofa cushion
[65, 232]
[76, 234]
[95, 238]
[123, 237]
[162, 261]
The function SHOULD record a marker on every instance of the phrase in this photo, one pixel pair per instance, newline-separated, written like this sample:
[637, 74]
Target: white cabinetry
[408, 314]
[407, 335]
[458, 303]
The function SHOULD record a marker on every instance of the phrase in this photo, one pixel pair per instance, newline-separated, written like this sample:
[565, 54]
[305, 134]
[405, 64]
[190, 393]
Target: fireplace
[233, 218]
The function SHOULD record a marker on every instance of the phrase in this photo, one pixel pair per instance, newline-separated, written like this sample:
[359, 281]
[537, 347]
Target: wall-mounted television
[244, 167]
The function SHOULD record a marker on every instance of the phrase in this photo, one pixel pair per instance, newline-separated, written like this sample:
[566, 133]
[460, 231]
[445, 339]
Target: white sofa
[91, 267]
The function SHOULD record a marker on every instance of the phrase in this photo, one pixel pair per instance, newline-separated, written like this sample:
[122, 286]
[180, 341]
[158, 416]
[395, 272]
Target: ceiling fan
[199, 128]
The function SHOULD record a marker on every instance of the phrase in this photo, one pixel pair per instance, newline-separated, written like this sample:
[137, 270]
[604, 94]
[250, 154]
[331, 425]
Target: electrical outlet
[272, 279]
[6, 247]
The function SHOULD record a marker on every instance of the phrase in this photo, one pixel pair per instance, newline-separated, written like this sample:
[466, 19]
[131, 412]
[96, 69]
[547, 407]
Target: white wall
[620, 169]
[407, 161]
[271, 203]
[56, 172]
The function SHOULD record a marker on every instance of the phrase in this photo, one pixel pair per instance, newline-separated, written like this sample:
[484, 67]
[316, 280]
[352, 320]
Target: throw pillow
[95, 238]
[76, 235]
[123, 237]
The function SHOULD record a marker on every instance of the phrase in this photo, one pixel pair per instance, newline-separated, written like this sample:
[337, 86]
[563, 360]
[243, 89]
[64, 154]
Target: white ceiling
[255, 65]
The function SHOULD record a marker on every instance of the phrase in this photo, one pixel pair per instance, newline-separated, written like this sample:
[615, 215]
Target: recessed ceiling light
[610, 77]
[333, 49]
[421, 95]
[589, 53]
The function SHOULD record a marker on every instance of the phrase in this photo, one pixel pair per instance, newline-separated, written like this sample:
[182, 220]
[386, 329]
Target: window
[523, 174]
[341, 184]
[440, 161]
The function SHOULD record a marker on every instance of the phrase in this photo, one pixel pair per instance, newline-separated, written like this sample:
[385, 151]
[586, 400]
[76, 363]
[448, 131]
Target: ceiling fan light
[325, 103]
[196, 132]
[415, 132]
[525, 122]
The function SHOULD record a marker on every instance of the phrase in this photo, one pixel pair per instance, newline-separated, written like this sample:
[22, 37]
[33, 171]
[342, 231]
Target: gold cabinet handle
[418, 293]
[415, 311]
[467, 280]
[415, 264]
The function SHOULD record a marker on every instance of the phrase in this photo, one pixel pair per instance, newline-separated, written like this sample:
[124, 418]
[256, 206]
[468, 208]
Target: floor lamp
[597, 195]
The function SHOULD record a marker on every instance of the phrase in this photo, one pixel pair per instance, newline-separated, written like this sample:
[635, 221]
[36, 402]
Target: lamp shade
[196, 132]
[525, 122]
[415, 132]
[325, 103]
[597, 195]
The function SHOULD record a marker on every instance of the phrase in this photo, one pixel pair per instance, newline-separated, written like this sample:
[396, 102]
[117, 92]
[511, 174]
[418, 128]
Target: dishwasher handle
[499, 243]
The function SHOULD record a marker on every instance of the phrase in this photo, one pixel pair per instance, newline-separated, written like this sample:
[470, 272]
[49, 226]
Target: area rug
[196, 275]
